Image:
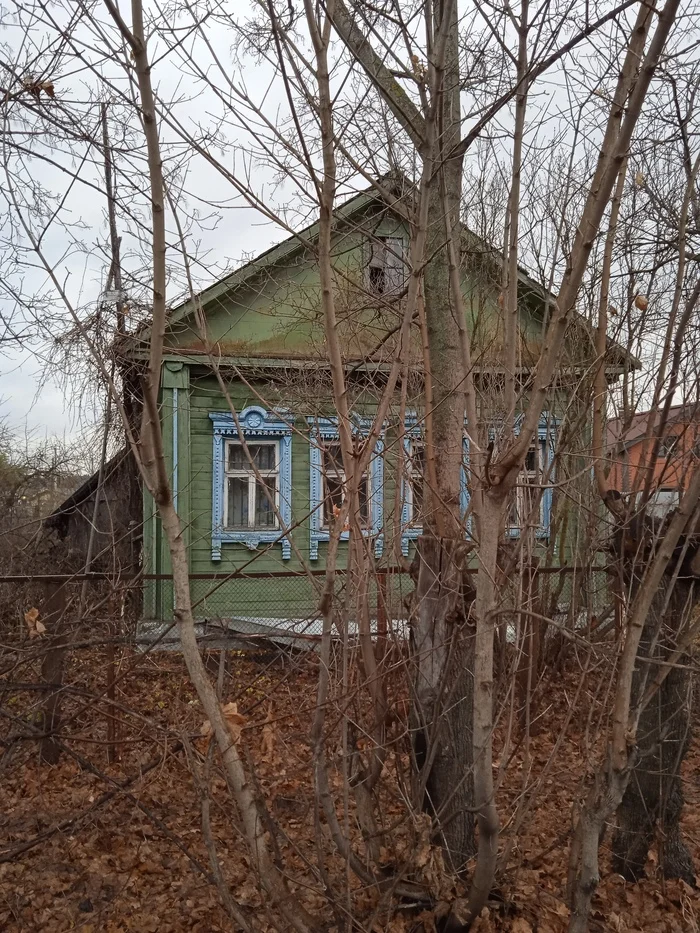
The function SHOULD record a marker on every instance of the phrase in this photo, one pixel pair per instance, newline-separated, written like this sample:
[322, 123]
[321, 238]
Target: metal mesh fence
[284, 607]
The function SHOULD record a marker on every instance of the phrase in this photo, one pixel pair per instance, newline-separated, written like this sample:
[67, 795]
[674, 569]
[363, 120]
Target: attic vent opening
[386, 271]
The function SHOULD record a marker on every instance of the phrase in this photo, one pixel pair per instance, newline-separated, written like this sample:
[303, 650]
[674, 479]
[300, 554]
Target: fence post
[530, 634]
[52, 668]
[381, 615]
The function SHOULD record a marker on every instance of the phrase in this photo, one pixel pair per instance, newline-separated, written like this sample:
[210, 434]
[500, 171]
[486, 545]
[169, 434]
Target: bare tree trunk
[442, 636]
[442, 640]
[484, 800]
[654, 795]
[288, 913]
[529, 658]
[510, 259]
[442, 514]
[600, 805]
[611, 782]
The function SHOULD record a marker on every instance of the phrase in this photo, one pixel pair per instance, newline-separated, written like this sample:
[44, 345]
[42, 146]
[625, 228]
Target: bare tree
[412, 102]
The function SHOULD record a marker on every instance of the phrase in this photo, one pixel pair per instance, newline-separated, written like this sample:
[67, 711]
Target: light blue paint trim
[464, 496]
[409, 532]
[546, 436]
[175, 449]
[322, 429]
[255, 422]
[546, 439]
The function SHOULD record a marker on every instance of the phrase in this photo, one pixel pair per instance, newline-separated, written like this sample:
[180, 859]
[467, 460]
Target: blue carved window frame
[256, 423]
[325, 429]
[546, 436]
[545, 440]
[410, 531]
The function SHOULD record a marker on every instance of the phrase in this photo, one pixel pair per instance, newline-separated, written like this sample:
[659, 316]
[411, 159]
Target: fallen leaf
[483, 923]
[234, 721]
[34, 626]
[268, 742]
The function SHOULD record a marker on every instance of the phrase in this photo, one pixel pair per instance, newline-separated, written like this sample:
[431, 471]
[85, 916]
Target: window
[386, 270]
[415, 480]
[251, 500]
[528, 507]
[242, 512]
[667, 445]
[327, 484]
[334, 483]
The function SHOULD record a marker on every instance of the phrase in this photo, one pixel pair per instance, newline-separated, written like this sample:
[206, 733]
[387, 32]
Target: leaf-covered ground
[96, 846]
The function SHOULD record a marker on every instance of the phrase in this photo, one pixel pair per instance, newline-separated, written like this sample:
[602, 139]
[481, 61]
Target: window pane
[378, 256]
[237, 459]
[333, 499]
[513, 514]
[417, 478]
[364, 501]
[531, 460]
[527, 497]
[377, 280]
[237, 512]
[395, 264]
[263, 456]
[662, 501]
[332, 459]
[264, 513]
[667, 445]
[334, 487]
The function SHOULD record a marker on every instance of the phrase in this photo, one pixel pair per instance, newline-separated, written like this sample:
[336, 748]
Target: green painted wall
[274, 315]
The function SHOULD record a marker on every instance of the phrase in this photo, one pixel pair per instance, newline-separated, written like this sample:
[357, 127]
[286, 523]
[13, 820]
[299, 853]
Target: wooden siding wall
[195, 401]
[197, 396]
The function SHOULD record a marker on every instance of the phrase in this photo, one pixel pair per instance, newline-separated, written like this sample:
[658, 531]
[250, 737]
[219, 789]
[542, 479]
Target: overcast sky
[36, 402]
[32, 400]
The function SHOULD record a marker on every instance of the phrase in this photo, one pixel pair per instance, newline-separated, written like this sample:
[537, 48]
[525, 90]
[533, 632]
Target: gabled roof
[296, 242]
[374, 196]
[621, 435]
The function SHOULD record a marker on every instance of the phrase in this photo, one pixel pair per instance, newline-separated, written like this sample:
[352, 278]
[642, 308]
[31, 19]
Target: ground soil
[96, 846]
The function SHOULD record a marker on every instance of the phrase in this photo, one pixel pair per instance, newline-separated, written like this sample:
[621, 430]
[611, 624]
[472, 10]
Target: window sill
[252, 539]
[540, 533]
[323, 534]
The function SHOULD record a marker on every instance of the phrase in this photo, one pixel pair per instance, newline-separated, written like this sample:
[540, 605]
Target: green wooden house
[250, 360]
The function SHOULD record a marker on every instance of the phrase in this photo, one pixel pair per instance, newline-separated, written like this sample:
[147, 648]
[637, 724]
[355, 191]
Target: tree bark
[442, 637]
[442, 514]
[654, 796]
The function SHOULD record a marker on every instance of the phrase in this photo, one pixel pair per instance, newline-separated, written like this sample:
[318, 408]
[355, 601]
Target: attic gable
[270, 308]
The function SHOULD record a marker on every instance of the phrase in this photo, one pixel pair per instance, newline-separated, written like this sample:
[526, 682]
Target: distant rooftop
[626, 432]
